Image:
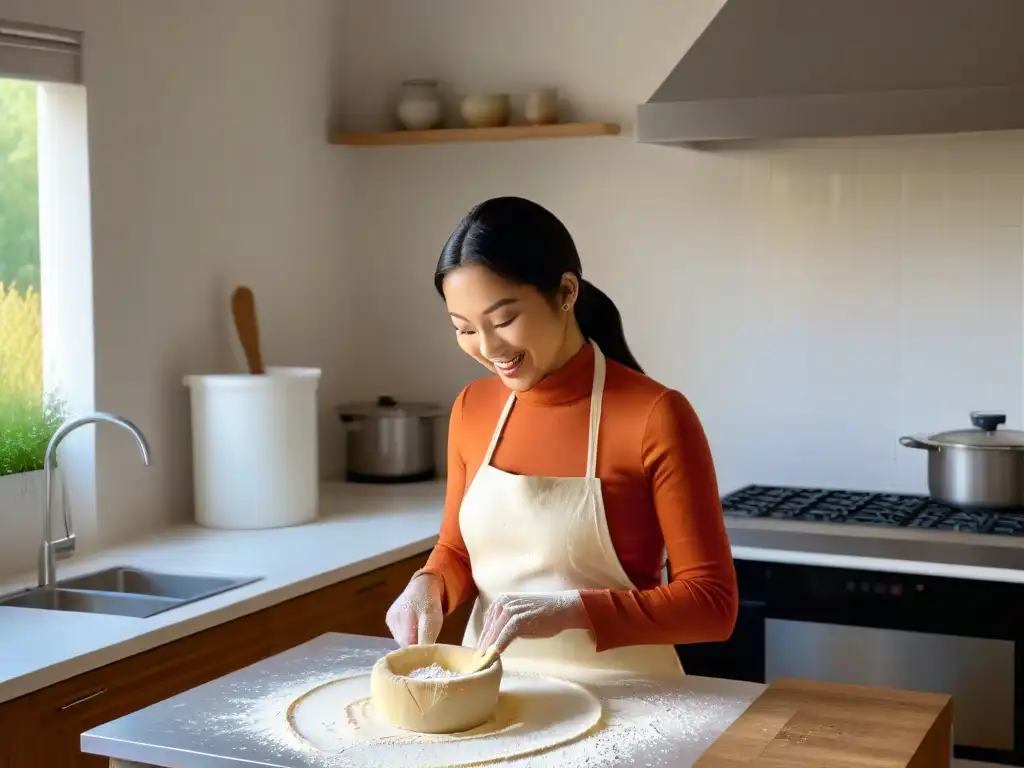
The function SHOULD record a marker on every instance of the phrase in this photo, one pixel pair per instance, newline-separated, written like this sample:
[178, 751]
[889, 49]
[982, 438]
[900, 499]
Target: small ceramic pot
[487, 111]
[419, 108]
[541, 107]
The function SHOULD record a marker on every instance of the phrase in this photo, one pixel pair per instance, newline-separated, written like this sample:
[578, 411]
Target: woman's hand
[532, 615]
[415, 618]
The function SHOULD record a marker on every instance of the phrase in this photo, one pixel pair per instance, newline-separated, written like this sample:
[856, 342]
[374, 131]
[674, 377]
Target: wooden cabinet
[5, 738]
[43, 728]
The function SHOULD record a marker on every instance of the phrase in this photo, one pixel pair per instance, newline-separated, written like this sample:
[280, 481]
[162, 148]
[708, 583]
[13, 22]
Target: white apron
[544, 534]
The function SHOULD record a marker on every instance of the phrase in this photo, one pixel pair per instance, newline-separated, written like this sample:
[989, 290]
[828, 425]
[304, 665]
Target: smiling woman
[570, 473]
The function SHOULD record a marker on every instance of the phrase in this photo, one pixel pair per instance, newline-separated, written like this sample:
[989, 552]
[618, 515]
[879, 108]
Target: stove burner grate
[866, 508]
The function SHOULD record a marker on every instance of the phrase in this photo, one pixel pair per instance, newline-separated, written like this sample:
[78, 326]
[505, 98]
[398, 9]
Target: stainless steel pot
[389, 442]
[980, 467]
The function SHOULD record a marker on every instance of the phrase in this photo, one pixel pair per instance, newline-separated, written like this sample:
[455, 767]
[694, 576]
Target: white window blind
[32, 52]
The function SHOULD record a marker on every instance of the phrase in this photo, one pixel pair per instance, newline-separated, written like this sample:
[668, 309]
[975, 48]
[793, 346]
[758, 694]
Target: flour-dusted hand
[519, 614]
[415, 618]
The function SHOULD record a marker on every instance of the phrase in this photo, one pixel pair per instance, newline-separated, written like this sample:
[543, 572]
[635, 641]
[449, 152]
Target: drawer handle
[82, 700]
[371, 587]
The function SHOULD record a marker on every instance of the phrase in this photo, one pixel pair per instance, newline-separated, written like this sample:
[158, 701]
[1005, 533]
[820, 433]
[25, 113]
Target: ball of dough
[450, 704]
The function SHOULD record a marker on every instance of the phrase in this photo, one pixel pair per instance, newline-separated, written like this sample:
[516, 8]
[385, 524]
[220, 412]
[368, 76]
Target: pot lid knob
[987, 421]
[386, 401]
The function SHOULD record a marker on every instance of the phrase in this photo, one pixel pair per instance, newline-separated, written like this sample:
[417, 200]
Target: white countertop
[361, 528]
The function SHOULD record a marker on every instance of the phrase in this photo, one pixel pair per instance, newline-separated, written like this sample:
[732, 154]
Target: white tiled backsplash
[815, 300]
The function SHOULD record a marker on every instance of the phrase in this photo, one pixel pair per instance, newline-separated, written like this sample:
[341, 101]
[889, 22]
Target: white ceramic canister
[254, 448]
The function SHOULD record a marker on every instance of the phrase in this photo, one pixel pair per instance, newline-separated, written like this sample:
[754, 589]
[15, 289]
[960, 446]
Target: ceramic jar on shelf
[541, 106]
[419, 107]
[486, 110]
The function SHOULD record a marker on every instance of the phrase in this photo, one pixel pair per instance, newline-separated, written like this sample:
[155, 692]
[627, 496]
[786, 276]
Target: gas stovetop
[865, 508]
[888, 526]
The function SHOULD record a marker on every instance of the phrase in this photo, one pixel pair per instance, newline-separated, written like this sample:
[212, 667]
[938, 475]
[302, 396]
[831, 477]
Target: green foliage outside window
[28, 416]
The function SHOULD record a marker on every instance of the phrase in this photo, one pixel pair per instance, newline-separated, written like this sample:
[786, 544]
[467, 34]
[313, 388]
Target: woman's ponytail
[600, 322]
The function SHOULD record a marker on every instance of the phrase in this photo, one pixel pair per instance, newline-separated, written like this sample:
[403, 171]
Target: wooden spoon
[243, 309]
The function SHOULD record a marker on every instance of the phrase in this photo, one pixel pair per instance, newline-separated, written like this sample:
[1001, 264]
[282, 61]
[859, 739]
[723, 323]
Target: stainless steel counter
[235, 721]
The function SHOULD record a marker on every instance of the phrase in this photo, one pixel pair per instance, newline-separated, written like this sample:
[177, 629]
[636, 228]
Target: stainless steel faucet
[51, 551]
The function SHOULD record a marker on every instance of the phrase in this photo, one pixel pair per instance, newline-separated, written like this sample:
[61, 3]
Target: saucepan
[387, 441]
[979, 467]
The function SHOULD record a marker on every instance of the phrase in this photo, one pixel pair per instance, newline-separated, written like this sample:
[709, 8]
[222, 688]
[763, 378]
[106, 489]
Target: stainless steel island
[241, 718]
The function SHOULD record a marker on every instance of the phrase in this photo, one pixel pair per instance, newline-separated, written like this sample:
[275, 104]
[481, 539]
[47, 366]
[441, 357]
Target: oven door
[932, 634]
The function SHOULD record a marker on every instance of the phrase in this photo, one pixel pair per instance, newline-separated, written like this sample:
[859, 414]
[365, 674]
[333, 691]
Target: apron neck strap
[596, 397]
[498, 429]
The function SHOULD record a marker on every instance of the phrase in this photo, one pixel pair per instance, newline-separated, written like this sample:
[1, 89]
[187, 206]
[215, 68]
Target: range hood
[770, 69]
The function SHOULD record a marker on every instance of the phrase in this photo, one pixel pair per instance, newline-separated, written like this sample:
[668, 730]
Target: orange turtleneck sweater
[660, 494]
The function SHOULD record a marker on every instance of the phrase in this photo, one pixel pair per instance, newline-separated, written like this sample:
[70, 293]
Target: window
[46, 309]
[29, 412]
[27, 417]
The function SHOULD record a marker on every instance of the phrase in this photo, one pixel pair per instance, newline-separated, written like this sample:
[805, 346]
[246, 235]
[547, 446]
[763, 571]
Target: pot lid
[386, 406]
[986, 433]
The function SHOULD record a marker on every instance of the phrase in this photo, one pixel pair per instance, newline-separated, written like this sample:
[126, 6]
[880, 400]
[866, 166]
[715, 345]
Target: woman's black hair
[525, 243]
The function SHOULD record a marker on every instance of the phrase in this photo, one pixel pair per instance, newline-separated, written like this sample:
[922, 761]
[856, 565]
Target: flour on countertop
[254, 721]
[534, 715]
[642, 726]
[434, 672]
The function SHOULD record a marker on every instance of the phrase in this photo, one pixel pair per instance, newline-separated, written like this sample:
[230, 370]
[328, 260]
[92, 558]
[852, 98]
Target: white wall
[209, 167]
[815, 300]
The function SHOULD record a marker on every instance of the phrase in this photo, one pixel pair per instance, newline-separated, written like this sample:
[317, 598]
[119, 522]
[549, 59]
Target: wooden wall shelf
[448, 135]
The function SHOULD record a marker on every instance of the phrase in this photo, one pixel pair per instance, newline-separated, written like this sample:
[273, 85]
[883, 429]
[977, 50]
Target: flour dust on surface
[642, 725]
[534, 713]
[432, 672]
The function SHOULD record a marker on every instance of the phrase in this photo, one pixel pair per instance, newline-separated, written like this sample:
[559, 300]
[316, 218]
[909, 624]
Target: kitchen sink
[135, 606]
[124, 591]
[133, 581]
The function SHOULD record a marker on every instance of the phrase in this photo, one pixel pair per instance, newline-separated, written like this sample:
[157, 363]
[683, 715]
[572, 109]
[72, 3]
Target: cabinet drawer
[390, 579]
[366, 599]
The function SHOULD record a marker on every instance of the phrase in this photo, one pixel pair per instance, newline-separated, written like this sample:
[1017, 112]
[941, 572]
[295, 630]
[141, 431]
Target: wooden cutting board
[798, 723]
